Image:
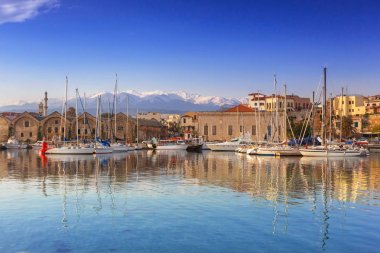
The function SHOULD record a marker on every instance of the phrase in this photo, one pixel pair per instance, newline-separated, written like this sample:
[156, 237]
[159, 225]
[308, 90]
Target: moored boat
[171, 145]
[13, 143]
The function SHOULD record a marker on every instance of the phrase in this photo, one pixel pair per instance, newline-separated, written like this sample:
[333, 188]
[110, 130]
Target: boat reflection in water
[163, 201]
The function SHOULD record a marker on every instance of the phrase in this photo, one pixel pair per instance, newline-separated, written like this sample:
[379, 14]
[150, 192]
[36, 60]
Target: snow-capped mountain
[158, 101]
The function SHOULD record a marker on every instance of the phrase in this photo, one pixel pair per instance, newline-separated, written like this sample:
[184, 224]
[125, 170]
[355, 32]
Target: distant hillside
[157, 101]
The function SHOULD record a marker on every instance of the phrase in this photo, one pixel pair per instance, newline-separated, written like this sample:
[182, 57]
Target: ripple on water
[188, 202]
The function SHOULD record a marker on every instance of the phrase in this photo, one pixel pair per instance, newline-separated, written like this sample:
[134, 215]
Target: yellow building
[349, 105]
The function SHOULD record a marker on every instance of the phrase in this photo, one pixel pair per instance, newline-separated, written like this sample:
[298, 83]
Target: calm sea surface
[188, 202]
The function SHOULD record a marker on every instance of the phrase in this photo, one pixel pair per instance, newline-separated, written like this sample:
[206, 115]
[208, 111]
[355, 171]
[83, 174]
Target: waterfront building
[349, 105]
[234, 122]
[164, 118]
[372, 104]
[189, 125]
[256, 101]
[52, 126]
[4, 128]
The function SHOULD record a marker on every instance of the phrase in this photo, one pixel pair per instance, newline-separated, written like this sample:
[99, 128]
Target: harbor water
[177, 201]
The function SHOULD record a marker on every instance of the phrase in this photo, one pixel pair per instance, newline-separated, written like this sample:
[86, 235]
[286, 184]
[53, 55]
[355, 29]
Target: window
[49, 130]
[213, 130]
[241, 129]
[30, 134]
[85, 131]
[205, 130]
[56, 130]
[356, 124]
[184, 121]
[22, 134]
[229, 130]
[255, 104]
[56, 122]
[26, 123]
[120, 128]
[78, 131]
[269, 130]
[253, 129]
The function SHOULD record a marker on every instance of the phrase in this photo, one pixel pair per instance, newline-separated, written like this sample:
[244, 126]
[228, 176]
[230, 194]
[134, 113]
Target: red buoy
[44, 147]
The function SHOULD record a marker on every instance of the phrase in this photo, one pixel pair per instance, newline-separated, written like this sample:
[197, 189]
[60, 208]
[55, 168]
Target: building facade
[235, 122]
[353, 105]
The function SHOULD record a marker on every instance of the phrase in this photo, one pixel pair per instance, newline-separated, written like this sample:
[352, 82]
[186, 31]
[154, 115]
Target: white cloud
[21, 10]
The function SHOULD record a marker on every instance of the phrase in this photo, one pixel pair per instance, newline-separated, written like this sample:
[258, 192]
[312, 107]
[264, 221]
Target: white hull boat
[325, 152]
[278, 151]
[172, 147]
[14, 144]
[224, 146]
[72, 150]
[118, 147]
[103, 150]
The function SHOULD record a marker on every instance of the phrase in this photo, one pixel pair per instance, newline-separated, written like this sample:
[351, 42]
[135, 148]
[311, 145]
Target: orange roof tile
[239, 108]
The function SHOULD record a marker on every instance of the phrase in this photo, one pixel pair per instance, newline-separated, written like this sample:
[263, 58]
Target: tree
[347, 126]
[298, 129]
[376, 129]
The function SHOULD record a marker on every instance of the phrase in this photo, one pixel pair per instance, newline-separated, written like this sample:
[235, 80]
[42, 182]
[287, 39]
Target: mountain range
[151, 101]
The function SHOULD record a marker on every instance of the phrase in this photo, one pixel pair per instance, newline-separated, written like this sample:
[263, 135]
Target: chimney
[46, 105]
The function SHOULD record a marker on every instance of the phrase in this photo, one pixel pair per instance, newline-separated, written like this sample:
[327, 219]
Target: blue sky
[227, 48]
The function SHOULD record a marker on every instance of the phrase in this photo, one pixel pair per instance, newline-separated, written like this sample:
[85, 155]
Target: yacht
[102, 148]
[13, 143]
[228, 145]
[70, 149]
[119, 147]
[333, 151]
[171, 145]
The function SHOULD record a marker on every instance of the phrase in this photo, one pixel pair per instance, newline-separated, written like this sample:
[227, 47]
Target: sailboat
[279, 148]
[330, 150]
[71, 148]
[117, 146]
[137, 145]
[100, 147]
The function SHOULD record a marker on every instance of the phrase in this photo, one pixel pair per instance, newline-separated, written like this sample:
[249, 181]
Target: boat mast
[258, 136]
[97, 119]
[126, 129]
[115, 107]
[137, 126]
[100, 117]
[285, 114]
[84, 116]
[276, 113]
[64, 128]
[324, 108]
[341, 115]
[330, 118]
[76, 115]
[312, 124]
[109, 121]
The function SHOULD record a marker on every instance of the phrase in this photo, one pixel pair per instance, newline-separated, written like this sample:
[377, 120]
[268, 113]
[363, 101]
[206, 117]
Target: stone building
[52, 126]
[4, 128]
[147, 129]
[189, 125]
[30, 127]
[26, 127]
[234, 122]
